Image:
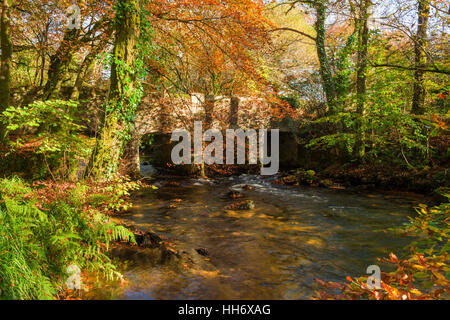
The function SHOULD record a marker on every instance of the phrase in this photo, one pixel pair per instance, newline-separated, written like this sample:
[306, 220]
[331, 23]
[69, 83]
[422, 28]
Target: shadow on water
[274, 251]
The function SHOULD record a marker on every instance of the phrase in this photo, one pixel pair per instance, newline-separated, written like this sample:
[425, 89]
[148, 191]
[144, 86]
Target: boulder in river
[151, 250]
[148, 240]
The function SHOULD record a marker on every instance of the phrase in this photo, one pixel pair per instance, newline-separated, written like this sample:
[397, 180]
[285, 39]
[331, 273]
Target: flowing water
[274, 251]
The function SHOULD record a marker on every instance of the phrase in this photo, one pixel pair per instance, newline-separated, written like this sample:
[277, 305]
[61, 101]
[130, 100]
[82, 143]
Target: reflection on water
[271, 252]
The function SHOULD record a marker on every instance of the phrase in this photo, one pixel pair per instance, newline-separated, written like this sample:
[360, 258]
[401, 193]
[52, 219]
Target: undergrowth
[47, 227]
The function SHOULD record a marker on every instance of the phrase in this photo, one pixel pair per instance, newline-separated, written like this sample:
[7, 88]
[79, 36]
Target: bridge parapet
[167, 114]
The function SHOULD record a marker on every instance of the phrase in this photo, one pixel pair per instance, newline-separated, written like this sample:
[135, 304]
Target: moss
[125, 93]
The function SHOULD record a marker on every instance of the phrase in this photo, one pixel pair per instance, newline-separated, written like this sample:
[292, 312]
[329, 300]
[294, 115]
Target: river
[293, 235]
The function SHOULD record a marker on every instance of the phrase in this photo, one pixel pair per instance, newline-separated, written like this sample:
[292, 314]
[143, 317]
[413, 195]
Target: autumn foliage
[422, 275]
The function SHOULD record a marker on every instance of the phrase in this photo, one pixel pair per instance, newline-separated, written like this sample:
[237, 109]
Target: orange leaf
[393, 258]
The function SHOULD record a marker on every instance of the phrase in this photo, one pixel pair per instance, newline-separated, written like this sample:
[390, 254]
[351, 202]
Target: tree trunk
[124, 96]
[5, 68]
[210, 101]
[361, 78]
[87, 64]
[131, 163]
[234, 110]
[420, 44]
[41, 79]
[42, 53]
[325, 70]
[59, 64]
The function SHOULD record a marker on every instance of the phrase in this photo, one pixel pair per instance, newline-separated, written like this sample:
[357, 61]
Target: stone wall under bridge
[158, 152]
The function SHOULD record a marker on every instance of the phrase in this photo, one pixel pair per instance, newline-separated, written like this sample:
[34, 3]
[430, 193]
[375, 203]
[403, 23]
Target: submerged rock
[173, 184]
[242, 187]
[243, 205]
[289, 180]
[234, 194]
[202, 251]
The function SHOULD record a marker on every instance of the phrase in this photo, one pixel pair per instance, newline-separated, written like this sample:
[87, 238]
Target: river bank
[430, 183]
[427, 183]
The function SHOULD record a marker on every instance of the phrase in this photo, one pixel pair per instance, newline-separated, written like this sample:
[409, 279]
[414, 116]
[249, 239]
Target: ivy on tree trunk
[325, 70]
[5, 67]
[125, 92]
[420, 43]
[361, 77]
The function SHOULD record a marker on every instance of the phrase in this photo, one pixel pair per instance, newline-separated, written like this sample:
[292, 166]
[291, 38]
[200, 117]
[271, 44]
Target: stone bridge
[160, 116]
[166, 114]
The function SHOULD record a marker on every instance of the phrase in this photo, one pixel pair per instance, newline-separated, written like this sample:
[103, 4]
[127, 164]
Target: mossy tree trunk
[5, 67]
[361, 76]
[420, 44]
[328, 84]
[125, 93]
